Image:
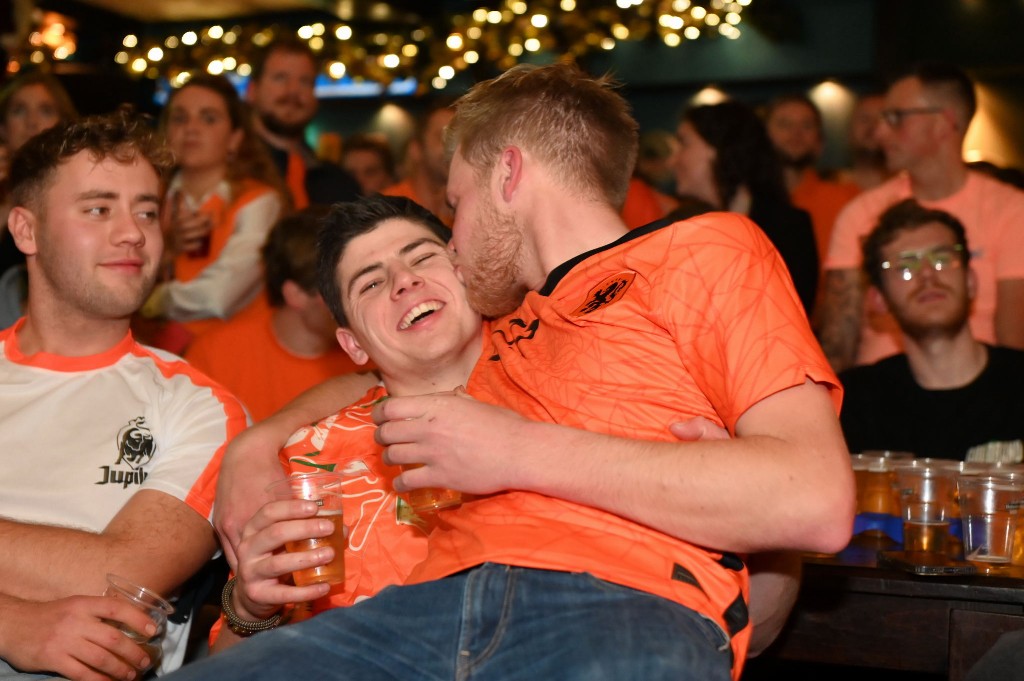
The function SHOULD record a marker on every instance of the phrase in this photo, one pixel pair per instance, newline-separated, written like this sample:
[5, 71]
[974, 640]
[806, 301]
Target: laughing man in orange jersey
[602, 549]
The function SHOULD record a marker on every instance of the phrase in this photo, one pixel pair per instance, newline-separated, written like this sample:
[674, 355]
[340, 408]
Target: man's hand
[262, 560]
[698, 428]
[251, 460]
[249, 465]
[461, 443]
[70, 637]
[774, 576]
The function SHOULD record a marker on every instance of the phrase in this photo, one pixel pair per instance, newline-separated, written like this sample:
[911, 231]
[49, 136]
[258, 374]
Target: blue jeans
[491, 622]
[7, 673]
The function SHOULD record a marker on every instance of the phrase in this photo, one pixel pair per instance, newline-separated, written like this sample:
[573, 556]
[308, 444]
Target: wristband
[236, 624]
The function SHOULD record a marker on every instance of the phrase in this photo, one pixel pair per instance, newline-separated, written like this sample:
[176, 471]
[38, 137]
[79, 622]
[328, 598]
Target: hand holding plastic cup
[988, 506]
[429, 499]
[149, 602]
[325, 490]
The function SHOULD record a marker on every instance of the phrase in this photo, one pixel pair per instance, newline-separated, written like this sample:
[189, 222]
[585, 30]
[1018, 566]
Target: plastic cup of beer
[148, 601]
[429, 499]
[926, 492]
[325, 490]
[1014, 473]
[988, 506]
[875, 476]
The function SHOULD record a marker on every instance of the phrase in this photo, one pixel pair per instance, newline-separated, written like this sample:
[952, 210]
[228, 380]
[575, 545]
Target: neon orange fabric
[823, 199]
[295, 178]
[698, 318]
[644, 204]
[386, 539]
[244, 355]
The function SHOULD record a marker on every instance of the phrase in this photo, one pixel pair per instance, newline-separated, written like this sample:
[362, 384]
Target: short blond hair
[577, 124]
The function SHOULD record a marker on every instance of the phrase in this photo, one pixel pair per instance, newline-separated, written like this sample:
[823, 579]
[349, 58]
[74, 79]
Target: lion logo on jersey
[607, 292]
[135, 444]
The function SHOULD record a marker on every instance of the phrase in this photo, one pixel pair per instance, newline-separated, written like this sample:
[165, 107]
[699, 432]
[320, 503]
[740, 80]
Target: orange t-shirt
[822, 199]
[244, 355]
[695, 318]
[644, 204]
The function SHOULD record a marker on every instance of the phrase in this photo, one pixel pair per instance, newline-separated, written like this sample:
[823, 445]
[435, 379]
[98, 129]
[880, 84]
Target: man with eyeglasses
[948, 392]
[922, 130]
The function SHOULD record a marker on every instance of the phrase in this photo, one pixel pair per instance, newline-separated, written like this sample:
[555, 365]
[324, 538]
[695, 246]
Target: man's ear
[22, 224]
[876, 300]
[972, 284]
[510, 171]
[350, 345]
[294, 295]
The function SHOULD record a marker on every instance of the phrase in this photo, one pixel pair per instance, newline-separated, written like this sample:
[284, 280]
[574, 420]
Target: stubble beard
[493, 281]
[92, 296]
[278, 127]
[931, 329]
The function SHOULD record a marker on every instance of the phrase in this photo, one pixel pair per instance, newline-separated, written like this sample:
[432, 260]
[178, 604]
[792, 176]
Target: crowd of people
[628, 358]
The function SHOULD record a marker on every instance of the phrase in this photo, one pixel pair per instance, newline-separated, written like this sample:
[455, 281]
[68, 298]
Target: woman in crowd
[29, 104]
[724, 158]
[221, 202]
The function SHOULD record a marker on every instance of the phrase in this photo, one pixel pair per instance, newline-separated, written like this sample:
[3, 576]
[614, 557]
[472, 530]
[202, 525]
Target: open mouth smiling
[418, 313]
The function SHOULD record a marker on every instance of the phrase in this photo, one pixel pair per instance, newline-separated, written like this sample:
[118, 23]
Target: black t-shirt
[884, 408]
[791, 232]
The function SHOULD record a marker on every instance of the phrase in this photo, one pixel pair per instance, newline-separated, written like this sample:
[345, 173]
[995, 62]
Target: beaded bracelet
[236, 624]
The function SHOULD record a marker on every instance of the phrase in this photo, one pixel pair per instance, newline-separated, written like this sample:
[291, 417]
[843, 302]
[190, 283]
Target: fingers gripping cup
[325, 490]
[429, 499]
[149, 602]
[988, 505]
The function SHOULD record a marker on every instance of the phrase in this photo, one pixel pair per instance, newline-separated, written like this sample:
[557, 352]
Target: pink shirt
[992, 212]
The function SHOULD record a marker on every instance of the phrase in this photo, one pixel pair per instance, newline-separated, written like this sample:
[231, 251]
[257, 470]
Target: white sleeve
[235, 277]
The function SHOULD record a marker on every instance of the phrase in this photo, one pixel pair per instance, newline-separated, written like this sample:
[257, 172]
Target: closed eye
[370, 285]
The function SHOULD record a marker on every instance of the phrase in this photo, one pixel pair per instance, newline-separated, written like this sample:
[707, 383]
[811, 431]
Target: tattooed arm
[839, 316]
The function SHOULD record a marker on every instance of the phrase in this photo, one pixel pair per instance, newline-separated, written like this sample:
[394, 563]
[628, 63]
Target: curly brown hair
[122, 135]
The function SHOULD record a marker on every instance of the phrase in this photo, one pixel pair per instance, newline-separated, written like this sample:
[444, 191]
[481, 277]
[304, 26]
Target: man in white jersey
[110, 450]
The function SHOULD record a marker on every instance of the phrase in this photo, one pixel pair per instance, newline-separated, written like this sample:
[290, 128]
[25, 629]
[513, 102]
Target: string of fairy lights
[384, 49]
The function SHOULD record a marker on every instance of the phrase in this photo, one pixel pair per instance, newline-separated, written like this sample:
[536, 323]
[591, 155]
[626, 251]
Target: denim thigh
[493, 622]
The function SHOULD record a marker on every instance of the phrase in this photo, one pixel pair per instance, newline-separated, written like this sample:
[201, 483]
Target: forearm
[37, 564]
[782, 499]
[839, 317]
[155, 540]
